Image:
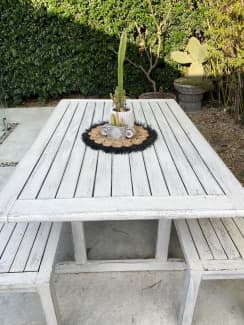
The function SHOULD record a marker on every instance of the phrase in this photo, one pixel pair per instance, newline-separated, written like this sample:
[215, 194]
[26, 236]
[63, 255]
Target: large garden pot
[157, 94]
[189, 97]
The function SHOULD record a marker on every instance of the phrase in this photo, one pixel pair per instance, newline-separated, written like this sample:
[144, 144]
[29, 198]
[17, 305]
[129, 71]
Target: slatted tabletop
[62, 179]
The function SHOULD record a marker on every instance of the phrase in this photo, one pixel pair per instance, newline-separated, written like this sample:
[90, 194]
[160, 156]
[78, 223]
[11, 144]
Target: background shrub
[50, 48]
[224, 29]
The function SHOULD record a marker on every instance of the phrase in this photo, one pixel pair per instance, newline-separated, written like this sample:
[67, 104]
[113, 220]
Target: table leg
[160, 262]
[162, 246]
[79, 242]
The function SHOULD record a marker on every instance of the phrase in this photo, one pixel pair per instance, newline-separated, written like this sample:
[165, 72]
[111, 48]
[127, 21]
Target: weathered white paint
[121, 266]
[213, 250]
[128, 208]
[59, 166]
[163, 237]
[27, 262]
[180, 176]
[79, 242]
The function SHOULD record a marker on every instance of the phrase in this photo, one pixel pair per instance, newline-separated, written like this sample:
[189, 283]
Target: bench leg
[79, 242]
[163, 236]
[192, 285]
[49, 303]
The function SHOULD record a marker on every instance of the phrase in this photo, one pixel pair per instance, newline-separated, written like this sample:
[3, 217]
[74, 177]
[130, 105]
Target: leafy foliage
[49, 48]
[224, 28]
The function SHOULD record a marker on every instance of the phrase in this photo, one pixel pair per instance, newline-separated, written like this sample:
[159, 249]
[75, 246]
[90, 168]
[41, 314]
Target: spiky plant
[119, 94]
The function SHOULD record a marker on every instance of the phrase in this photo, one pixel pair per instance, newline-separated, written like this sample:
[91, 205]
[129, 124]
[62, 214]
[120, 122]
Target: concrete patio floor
[138, 298]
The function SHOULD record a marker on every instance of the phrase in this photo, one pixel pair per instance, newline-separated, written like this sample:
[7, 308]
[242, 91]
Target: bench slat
[25, 248]
[240, 224]
[199, 240]
[5, 235]
[212, 239]
[38, 248]
[186, 240]
[236, 266]
[234, 231]
[225, 239]
[8, 256]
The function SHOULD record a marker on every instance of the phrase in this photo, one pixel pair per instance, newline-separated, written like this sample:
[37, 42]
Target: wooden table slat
[218, 168]
[71, 174]
[179, 176]
[25, 167]
[187, 174]
[87, 176]
[104, 165]
[53, 179]
[99, 208]
[197, 164]
[154, 171]
[171, 174]
[35, 181]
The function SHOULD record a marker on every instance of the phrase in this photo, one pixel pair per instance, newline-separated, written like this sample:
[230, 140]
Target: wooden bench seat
[213, 249]
[27, 252]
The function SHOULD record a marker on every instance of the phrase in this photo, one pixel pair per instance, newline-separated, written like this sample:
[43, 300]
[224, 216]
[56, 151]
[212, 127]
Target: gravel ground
[225, 136]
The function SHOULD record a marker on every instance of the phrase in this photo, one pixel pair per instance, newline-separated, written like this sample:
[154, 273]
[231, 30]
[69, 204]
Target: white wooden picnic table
[61, 179]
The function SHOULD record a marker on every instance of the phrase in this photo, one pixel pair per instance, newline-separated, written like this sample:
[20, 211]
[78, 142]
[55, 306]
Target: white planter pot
[126, 118]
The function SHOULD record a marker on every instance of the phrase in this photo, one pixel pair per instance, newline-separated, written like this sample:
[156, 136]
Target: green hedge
[50, 48]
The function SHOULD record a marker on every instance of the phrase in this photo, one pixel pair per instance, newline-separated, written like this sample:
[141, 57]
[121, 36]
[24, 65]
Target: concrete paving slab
[30, 122]
[5, 173]
[140, 298]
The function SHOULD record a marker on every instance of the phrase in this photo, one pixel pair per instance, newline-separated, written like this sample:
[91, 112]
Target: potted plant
[122, 121]
[193, 85]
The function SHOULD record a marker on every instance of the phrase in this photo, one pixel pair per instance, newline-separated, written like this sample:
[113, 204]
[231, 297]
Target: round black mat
[152, 136]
